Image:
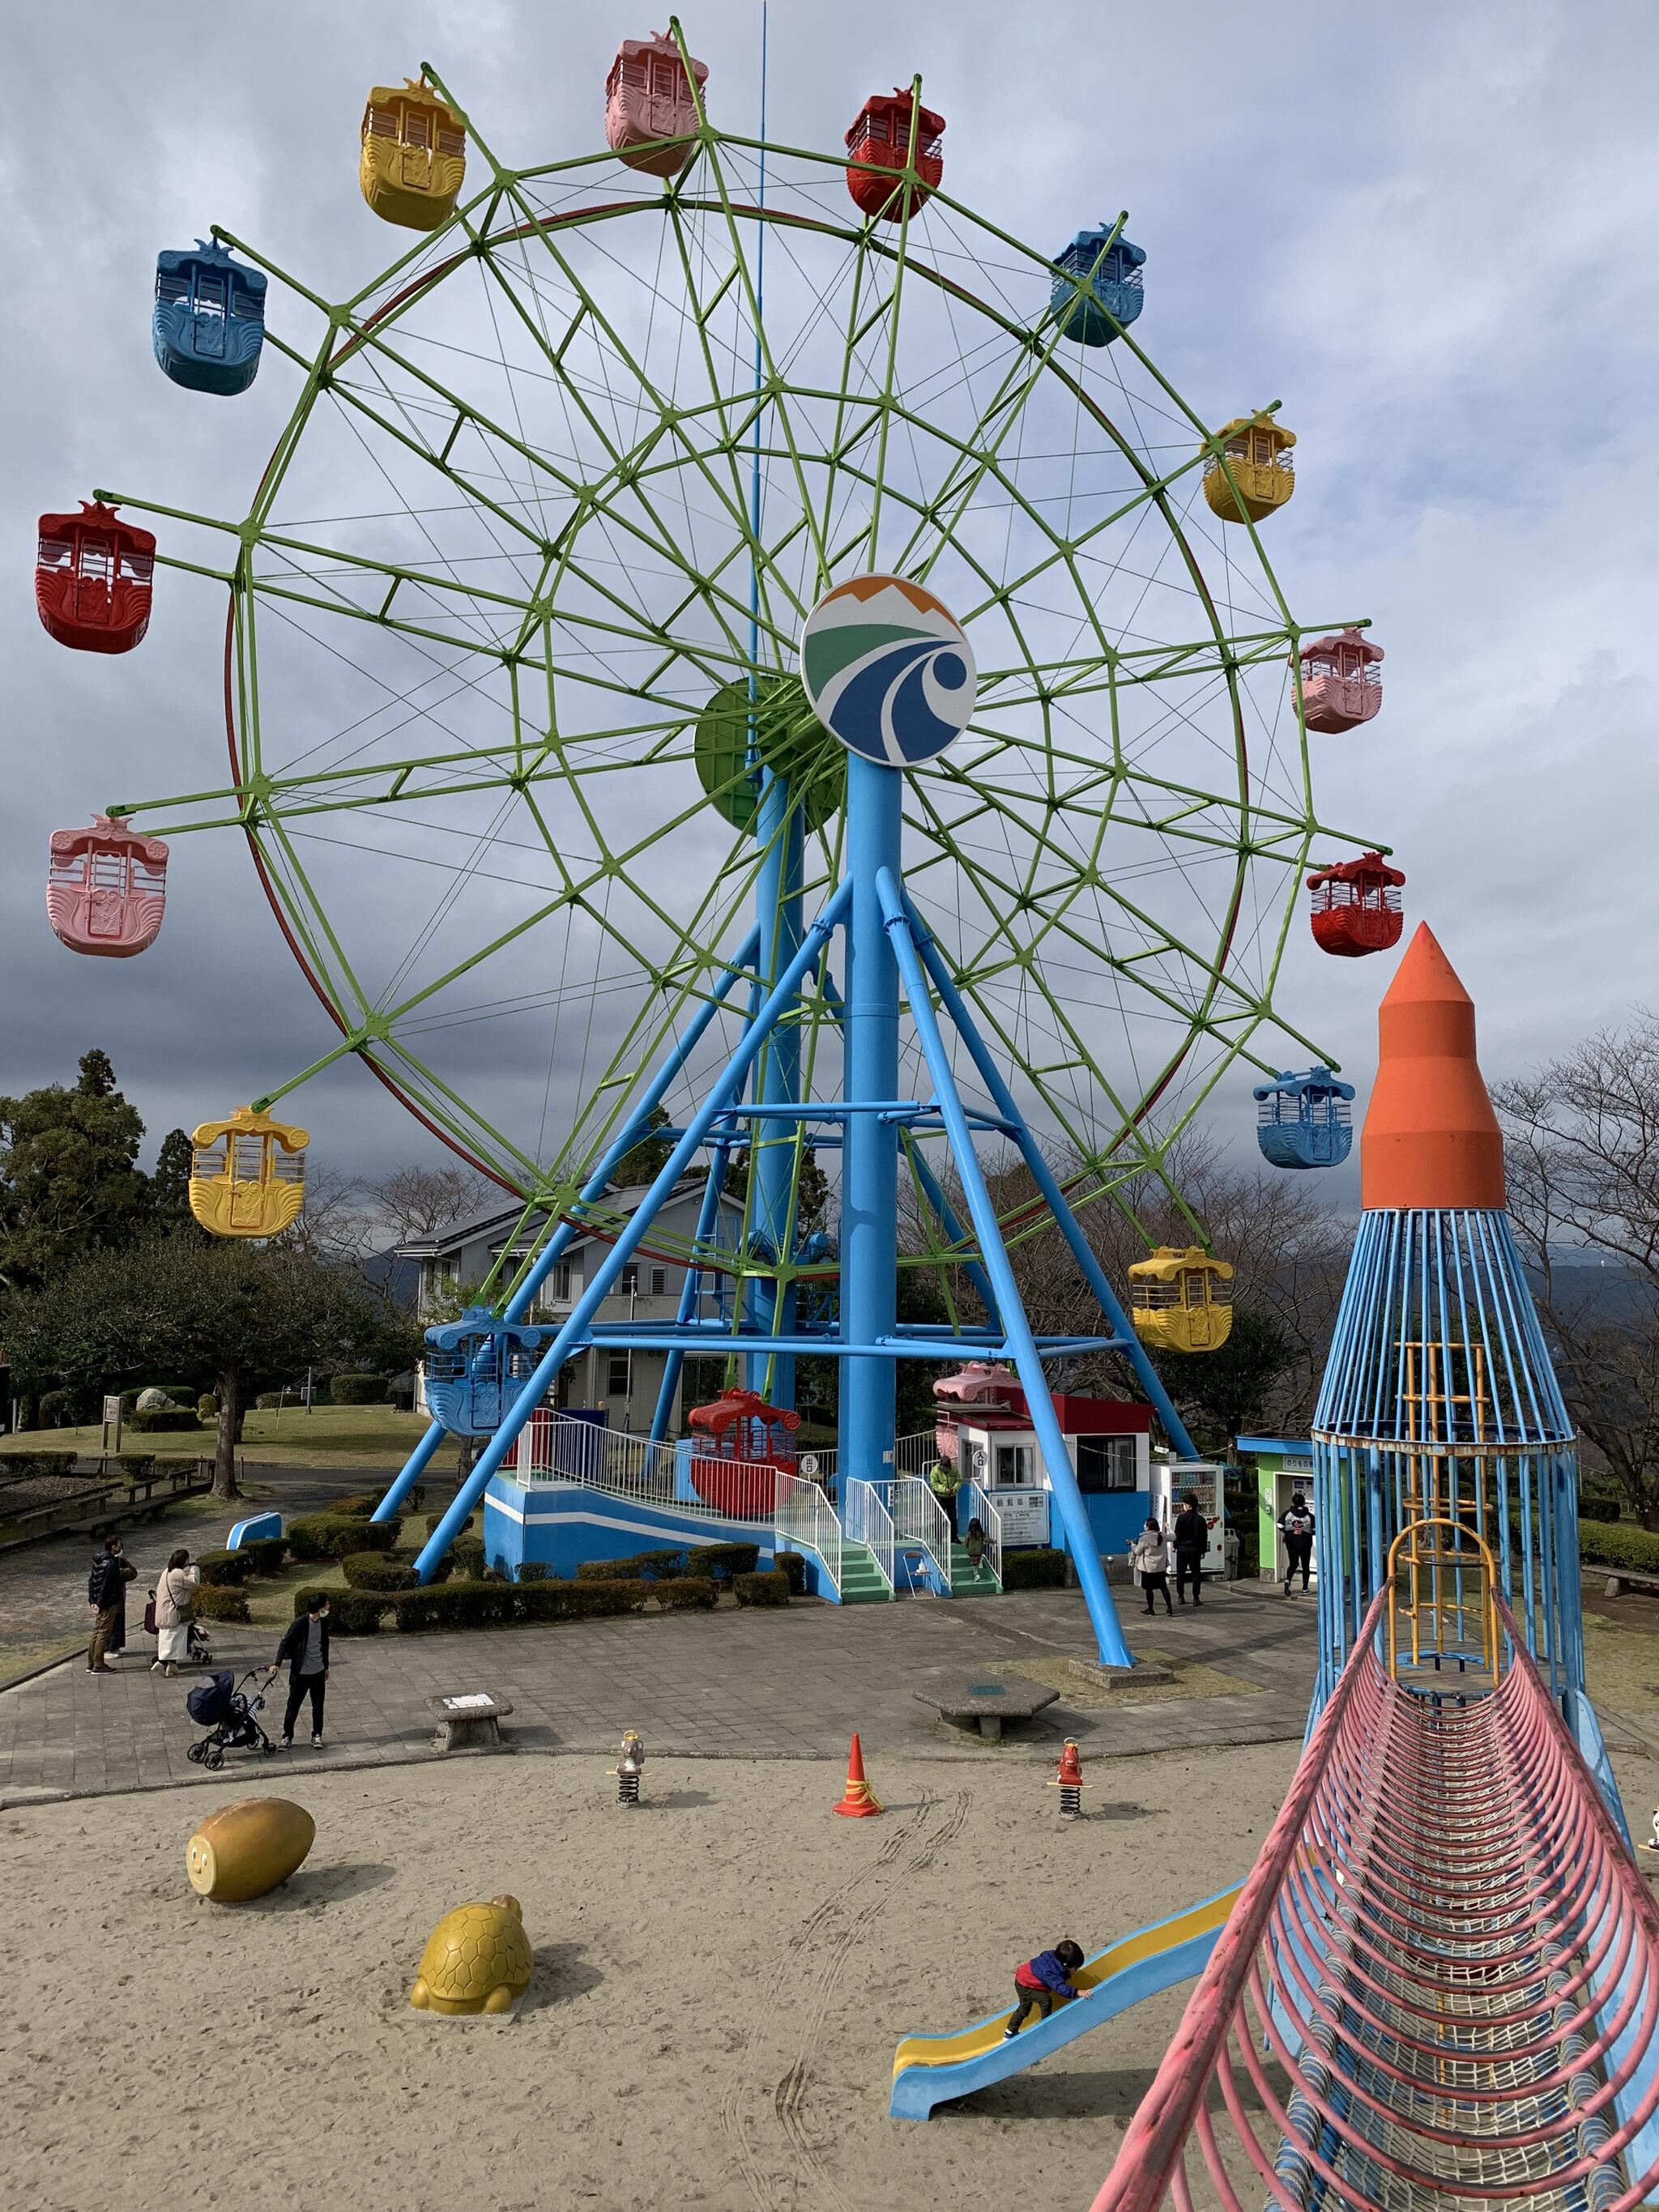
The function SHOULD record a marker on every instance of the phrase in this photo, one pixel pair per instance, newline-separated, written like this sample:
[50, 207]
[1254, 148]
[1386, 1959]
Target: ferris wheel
[515, 728]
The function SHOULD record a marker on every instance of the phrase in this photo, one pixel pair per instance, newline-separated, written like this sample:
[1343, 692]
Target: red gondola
[1341, 681]
[748, 1443]
[881, 136]
[92, 577]
[1356, 906]
[105, 888]
[648, 97]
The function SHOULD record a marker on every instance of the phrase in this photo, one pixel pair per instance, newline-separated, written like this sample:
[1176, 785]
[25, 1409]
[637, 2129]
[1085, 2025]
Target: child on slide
[1043, 1983]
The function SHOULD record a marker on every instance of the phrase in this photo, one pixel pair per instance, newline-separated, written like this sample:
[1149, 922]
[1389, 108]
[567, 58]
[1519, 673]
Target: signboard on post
[112, 1426]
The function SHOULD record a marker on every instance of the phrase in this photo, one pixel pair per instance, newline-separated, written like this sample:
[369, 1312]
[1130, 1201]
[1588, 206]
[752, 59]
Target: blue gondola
[476, 1366]
[1303, 1120]
[1110, 296]
[209, 320]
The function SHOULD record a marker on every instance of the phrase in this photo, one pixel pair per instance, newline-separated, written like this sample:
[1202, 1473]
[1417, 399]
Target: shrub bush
[1599, 1502]
[467, 1555]
[215, 1601]
[720, 1560]
[54, 1409]
[333, 1535]
[433, 1521]
[793, 1564]
[772, 1588]
[20, 1464]
[267, 1553]
[686, 1594]
[1034, 1570]
[350, 1612]
[533, 1571]
[357, 1390]
[225, 1570]
[659, 1566]
[1618, 1543]
[374, 1571]
[357, 1507]
[207, 1406]
[137, 1467]
[272, 1401]
[163, 1420]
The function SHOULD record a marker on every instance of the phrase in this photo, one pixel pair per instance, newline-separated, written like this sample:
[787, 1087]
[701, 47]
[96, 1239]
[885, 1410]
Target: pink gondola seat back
[105, 889]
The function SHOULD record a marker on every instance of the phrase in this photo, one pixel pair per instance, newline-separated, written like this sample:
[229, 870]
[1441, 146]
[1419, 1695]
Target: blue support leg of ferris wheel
[1043, 1176]
[1028, 1361]
[577, 1326]
[772, 1145]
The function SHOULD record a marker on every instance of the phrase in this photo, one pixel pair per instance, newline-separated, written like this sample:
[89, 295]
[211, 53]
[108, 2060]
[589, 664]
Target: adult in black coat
[1192, 1541]
[304, 1652]
[106, 1594]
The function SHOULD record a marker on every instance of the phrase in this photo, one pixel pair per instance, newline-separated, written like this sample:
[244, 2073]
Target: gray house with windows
[625, 1383]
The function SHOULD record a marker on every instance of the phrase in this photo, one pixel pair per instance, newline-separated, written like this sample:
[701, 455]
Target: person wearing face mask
[304, 1652]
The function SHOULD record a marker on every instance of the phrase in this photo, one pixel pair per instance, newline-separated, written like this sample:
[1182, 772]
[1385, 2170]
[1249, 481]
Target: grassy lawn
[329, 1436]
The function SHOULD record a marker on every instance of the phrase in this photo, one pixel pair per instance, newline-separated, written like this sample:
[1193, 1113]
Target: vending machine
[1171, 1478]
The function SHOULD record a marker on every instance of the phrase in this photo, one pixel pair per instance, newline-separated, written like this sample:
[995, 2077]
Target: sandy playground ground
[721, 1979]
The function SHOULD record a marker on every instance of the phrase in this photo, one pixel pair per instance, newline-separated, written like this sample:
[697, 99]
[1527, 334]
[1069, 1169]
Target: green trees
[223, 1314]
[70, 1181]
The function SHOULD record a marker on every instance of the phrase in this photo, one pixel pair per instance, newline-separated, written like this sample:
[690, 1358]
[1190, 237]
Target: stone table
[470, 1721]
[988, 1699]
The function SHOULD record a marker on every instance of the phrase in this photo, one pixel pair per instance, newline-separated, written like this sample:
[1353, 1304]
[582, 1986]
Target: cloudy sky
[1428, 232]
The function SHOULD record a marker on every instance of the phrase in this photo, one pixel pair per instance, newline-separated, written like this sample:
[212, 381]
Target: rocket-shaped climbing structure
[1439, 1404]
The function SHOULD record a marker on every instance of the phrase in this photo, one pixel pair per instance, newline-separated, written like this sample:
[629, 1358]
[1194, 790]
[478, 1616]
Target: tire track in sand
[796, 2006]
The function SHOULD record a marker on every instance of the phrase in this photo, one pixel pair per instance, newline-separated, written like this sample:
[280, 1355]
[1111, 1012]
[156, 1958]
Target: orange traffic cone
[859, 1801]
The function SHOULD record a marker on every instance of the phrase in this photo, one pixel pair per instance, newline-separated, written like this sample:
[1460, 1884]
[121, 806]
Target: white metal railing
[980, 1509]
[919, 1518]
[912, 1454]
[866, 1521]
[556, 1448]
[803, 1520]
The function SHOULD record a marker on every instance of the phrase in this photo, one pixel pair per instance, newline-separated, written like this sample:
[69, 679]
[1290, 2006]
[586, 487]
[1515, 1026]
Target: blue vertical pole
[869, 1198]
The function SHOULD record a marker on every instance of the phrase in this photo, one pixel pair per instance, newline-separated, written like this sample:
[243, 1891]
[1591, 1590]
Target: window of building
[1105, 1463]
[659, 1281]
[629, 1281]
[562, 1279]
[1013, 1464]
[617, 1375]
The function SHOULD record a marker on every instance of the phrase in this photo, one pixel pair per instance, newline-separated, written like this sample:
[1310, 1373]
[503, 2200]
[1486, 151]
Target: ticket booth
[984, 1429]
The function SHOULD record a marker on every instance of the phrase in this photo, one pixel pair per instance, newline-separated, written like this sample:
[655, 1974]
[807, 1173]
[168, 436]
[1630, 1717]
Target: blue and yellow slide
[931, 2069]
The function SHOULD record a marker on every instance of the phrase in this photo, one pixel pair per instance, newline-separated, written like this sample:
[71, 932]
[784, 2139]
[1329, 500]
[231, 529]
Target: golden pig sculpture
[246, 1849]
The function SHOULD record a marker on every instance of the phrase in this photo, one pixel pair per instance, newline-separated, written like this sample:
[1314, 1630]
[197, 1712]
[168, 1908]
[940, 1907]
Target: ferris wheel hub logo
[888, 669]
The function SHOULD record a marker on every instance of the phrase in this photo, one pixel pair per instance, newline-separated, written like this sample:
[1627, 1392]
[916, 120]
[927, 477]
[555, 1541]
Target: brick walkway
[789, 1683]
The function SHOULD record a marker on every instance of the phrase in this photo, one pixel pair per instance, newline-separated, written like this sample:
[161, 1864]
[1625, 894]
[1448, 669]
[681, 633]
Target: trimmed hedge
[358, 1390]
[225, 1570]
[1034, 1570]
[434, 1522]
[466, 1556]
[1616, 1544]
[53, 1412]
[722, 1559]
[1599, 1502]
[215, 1601]
[794, 1564]
[207, 1406]
[137, 1467]
[165, 1418]
[533, 1571]
[18, 1464]
[333, 1535]
[357, 1508]
[771, 1588]
[350, 1612]
[374, 1571]
[267, 1553]
[686, 1594]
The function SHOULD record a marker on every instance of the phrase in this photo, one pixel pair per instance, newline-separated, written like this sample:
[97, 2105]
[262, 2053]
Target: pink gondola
[647, 97]
[105, 889]
[1341, 681]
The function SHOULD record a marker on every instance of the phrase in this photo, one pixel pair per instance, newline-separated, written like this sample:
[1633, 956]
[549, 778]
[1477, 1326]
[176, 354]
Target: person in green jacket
[942, 1480]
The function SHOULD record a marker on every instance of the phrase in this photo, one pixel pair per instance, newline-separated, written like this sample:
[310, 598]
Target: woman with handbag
[175, 1601]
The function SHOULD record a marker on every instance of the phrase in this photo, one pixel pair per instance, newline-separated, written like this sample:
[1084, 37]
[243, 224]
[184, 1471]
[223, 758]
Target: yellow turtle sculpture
[477, 1959]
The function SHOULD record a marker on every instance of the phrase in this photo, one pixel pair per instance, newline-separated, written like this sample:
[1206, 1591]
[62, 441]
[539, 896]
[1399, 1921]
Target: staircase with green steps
[964, 1583]
[861, 1579]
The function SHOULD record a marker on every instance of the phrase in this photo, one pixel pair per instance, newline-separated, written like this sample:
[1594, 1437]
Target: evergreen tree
[70, 1181]
[169, 1186]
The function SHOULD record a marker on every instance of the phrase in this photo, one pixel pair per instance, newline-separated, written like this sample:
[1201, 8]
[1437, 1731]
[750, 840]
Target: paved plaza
[768, 1684]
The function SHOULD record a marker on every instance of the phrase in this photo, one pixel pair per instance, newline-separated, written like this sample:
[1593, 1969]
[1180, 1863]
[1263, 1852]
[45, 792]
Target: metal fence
[803, 1520]
[912, 1456]
[980, 1509]
[867, 1520]
[557, 1448]
[919, 1518]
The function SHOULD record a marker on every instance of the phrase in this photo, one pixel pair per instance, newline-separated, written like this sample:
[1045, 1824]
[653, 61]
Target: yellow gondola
[413, 158]
[1181, 1301]
[1258, 453]
[247, 1174]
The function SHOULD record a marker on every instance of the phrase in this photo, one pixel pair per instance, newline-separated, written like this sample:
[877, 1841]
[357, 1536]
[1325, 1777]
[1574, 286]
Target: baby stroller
[230, 1717]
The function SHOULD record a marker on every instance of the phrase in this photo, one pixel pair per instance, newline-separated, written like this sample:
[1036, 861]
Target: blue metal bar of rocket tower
[1065, 1220]
[722, 1094]
[869, 1196]
[519, 1304]
[1028, 1361]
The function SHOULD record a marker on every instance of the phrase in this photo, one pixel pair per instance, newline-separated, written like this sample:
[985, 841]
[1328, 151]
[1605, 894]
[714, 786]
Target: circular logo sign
[888, 669]
[808, 1462]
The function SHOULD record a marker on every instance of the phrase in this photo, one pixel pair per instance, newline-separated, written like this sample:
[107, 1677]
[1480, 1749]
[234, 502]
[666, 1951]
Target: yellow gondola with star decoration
[247, 1174]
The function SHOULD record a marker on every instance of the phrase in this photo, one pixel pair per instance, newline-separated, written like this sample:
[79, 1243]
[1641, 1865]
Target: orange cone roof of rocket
[1430, 1137]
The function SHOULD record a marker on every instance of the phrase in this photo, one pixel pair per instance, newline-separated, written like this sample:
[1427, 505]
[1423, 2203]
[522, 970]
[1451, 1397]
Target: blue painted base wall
[1117, 1517]
[565, 1523]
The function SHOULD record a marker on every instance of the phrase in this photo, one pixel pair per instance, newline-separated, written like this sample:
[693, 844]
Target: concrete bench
[1620, 1579]
[471, 1721]
[969, 1698]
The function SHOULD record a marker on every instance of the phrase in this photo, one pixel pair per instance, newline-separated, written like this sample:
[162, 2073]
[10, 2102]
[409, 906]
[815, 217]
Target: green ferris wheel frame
[748, 607]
